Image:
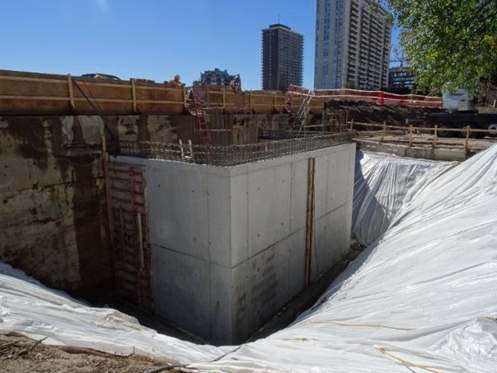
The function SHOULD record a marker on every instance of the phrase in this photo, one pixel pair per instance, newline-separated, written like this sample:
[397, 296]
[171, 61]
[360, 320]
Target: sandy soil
[20, 354]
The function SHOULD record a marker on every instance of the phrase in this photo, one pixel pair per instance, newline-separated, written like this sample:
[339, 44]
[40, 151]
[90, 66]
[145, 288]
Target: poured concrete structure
[228, 243]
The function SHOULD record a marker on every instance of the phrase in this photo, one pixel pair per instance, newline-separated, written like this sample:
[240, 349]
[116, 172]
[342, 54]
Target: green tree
[448, 43]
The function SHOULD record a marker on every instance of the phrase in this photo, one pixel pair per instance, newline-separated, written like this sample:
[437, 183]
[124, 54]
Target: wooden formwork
[32, 93]
[43, 94]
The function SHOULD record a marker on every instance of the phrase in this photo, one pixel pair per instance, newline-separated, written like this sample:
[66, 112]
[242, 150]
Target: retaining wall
[53, 213]
[228, 243]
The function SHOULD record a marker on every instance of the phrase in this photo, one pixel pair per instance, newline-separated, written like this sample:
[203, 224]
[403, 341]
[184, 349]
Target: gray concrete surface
[228, 243]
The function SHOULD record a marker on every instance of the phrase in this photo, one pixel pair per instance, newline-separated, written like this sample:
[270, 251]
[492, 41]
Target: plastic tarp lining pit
[382, 185]
[421, 298]
[37, 312]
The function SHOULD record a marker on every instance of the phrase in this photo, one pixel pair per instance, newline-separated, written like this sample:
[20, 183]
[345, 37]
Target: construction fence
[374, 97]
[422, 136]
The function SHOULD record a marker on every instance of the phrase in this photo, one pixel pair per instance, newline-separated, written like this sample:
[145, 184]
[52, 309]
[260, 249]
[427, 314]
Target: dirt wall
[53, 212]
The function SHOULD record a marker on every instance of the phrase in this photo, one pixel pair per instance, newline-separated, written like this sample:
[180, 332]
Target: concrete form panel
[178, 208]
[219, 219]
[269, 207]
[336, 233]
[321, 186]
[268, 284]
[239, 219]
[352, 154]
[321, 253]
[298, 195]
[240, 301]
[283, 271]
[221, 323]
[182, 290]
[296, 263]
[338, 187]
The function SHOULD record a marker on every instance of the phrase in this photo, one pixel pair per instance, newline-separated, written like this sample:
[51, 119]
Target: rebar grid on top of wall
[230, 155]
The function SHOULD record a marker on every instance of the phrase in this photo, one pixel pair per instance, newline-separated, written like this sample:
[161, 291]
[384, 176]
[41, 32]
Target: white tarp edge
[37, 312]
[382, 185]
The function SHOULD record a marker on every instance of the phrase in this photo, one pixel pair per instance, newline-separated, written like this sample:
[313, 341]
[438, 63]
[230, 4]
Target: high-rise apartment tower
[282, 57]
[352, 44]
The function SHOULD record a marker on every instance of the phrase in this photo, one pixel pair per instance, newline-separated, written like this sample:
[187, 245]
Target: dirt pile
[20, 354]
[364, 112]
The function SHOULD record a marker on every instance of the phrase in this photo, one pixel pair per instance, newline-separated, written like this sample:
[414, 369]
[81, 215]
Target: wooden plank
[31, 98]
[25, 74]
[102, 91]
[133, 94]
[309, 220]
[71, 93]
[98, 100]
[18, 79]
[36, 106]
[21, 89]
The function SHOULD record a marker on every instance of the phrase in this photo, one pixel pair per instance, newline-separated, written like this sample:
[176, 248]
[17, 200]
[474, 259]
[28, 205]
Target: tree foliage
[448, 43]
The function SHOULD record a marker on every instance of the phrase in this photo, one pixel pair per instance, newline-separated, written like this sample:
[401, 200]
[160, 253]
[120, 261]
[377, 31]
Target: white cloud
[103, 5]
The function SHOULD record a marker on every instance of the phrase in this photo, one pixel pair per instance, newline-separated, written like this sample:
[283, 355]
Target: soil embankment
[364, 112]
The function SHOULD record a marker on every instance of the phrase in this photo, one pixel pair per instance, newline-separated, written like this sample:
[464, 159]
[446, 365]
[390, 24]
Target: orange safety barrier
[375, 97]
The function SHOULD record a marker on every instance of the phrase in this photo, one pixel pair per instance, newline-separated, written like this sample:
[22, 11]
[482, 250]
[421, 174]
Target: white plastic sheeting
[383, 184]
[37, 312]
[422, 298]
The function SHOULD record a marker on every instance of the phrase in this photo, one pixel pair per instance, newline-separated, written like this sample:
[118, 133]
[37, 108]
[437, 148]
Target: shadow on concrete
[315, 295]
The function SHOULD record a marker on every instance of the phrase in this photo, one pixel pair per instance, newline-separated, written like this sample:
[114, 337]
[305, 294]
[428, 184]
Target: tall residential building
[282, 57]
[352, 44]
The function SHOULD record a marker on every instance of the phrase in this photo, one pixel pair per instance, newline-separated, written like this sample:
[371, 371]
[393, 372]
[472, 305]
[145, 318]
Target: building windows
[216, 77]
[367, 37]
[282, 58]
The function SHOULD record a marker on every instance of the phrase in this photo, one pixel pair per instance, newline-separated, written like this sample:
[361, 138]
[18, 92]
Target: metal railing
[230, 155]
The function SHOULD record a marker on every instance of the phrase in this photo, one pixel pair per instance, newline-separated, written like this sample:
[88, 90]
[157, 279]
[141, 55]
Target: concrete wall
[53, 213]
[228, 244]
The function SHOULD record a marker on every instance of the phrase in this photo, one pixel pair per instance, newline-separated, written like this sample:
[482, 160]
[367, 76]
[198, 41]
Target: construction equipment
[461, 112]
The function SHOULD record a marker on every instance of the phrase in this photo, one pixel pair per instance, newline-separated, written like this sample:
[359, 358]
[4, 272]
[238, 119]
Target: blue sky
[153, 39]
